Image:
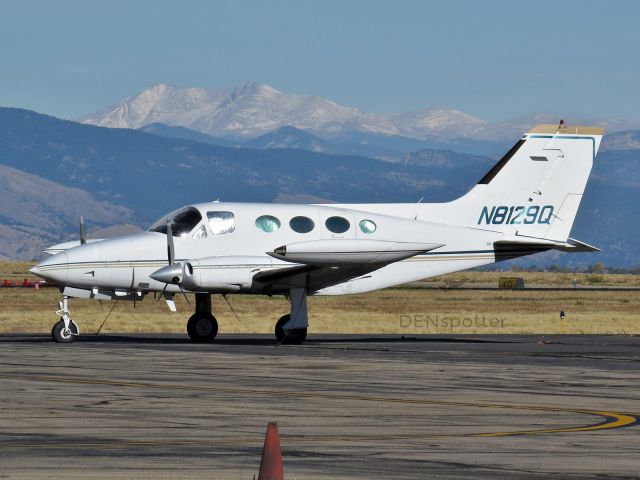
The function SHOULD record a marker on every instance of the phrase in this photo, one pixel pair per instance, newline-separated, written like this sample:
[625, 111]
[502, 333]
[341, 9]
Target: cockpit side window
[201, 232]
[221, 222]
[182, 223]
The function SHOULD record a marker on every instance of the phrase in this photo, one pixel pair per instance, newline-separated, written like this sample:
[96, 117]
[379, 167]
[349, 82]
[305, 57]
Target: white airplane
[525, 204]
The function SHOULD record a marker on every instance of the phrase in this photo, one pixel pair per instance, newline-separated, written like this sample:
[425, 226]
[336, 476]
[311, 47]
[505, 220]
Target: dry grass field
[407, 311]
[536, 279]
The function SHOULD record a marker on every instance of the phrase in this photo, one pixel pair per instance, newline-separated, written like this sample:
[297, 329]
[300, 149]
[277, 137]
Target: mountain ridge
[254, 109]
[36, 212]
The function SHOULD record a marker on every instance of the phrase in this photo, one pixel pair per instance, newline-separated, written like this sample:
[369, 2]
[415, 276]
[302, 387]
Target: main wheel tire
[60, 335]
[291, 337]
[202, 327]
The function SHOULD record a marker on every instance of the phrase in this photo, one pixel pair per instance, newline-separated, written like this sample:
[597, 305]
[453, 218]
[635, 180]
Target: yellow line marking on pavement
[613, 420]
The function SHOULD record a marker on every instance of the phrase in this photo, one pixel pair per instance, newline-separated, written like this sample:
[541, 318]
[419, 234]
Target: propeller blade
[162, 293]
[83, 233]
[173, 273]
[170, 247]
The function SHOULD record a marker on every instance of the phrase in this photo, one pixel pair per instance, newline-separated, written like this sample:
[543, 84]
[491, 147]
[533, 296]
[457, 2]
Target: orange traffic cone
[271, 464]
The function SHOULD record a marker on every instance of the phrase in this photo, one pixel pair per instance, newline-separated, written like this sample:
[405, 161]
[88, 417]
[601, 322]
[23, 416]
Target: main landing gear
[291, 329]
[65, 330]
[202, 325]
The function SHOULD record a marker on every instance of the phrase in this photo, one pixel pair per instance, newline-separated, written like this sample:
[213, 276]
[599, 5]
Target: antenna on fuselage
[418, 203]
[83, 233]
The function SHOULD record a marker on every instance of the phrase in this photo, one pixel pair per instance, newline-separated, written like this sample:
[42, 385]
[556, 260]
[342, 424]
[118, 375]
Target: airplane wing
[311, 277]
[323, 263]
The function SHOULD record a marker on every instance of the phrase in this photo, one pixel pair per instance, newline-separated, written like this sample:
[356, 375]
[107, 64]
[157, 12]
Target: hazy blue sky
[494, 59]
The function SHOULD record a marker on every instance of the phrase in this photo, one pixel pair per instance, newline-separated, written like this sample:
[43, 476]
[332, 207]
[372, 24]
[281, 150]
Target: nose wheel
[60, 334]
[65, 330]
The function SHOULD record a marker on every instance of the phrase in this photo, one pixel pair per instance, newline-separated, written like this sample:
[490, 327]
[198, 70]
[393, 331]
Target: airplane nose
[53, 269]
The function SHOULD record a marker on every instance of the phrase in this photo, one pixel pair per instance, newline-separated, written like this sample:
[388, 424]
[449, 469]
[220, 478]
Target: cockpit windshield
[182, 222]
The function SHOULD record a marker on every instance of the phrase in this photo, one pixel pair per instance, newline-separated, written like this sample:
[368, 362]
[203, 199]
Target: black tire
[202, 327]
[59, 335]
[292, 337]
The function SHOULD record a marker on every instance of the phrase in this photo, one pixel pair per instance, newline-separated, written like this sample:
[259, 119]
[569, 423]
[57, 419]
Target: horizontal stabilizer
[574, 245]
[571, 245]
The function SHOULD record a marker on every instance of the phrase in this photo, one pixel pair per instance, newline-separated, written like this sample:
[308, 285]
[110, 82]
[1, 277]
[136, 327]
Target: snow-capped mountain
[255, 109]
[159, 104]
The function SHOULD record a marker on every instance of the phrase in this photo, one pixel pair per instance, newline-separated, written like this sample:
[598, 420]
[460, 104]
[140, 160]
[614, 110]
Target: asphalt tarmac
[436, 406]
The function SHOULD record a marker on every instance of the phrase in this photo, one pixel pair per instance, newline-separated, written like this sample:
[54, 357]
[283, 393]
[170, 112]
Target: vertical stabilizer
[536, 188]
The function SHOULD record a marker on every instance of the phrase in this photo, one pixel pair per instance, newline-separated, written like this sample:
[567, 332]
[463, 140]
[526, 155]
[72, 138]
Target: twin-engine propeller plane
[525, 204]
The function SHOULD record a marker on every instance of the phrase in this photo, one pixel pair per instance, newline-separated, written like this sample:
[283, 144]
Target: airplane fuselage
[125, 263]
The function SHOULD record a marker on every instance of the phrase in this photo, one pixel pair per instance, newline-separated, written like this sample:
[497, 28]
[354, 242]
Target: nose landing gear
[65, 330]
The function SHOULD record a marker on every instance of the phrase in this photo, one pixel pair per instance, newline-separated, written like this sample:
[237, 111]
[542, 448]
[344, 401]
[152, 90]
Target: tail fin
[535, 190]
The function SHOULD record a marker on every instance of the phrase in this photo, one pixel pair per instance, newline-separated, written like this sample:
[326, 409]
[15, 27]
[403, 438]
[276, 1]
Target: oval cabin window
[367, 226]
[337, 224]
[301, 224]
[268, 223]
